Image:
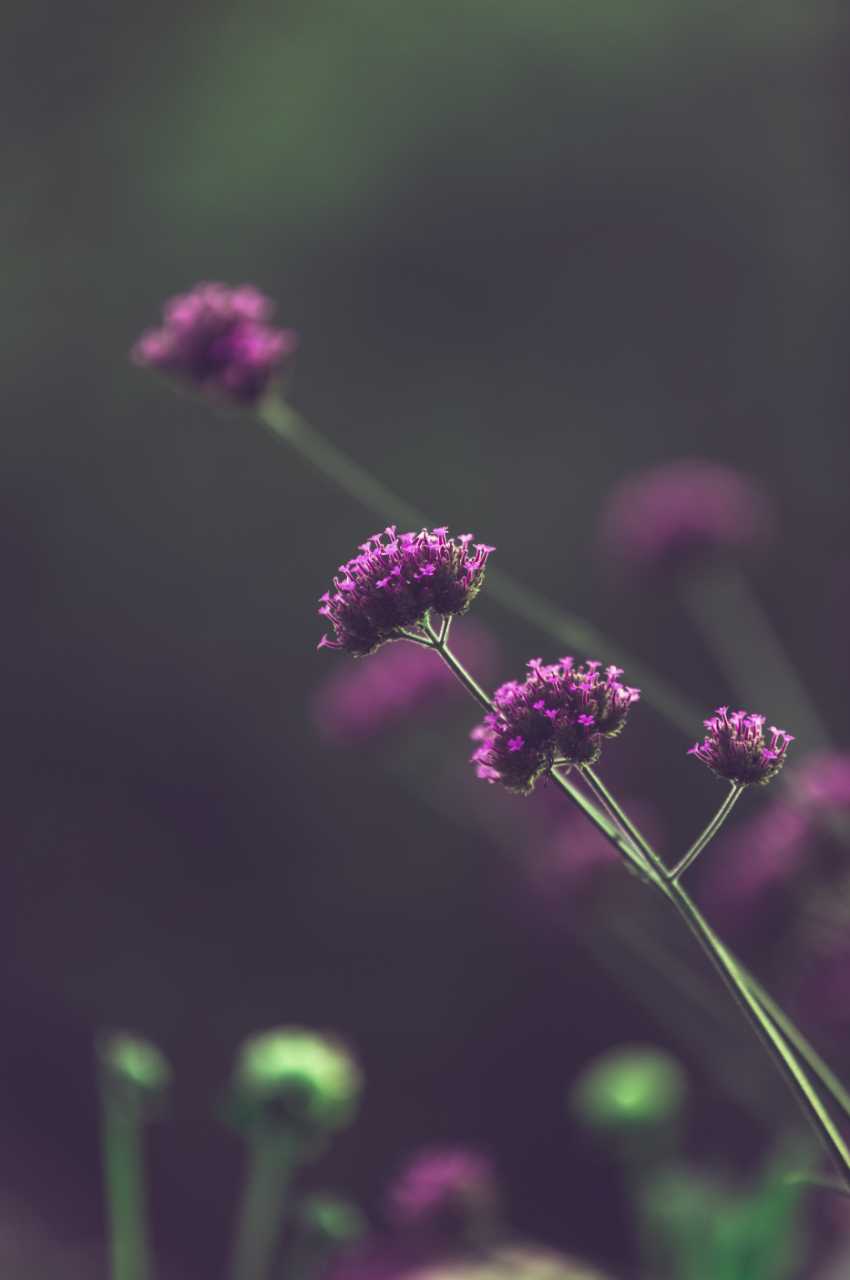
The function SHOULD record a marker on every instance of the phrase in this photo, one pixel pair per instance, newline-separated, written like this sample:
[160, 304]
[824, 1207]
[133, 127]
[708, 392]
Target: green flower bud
[291, 1078]
[330, 1220]
[634, 1089]
[133, 1069]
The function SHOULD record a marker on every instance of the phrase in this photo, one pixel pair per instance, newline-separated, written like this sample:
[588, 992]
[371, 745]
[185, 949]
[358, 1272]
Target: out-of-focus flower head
[218, 338]
[821, 785]
[450, 1191]
[681, 513]
[754, 863]
[395, 581]
[133, 1070]
[821, 998]
[636, 1088]
[560, 713]
[364, 698]
[293, 1078]
[513, 1262]
[735, 748]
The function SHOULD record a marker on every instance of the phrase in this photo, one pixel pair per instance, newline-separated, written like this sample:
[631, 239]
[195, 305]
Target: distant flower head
[690, 510]
[513, 1262]
[559, 713]
[132, 1069]
[822, 784]
[296, 1078]
[220, 339]
[359, 699]
[394, 582]
[752, 867]
[445, 1189]
[735, 748]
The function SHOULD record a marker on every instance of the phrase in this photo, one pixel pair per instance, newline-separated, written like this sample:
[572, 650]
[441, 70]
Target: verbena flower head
[735, 747]
[297, 1078]
[560, 713]
[444, 1189]
[686, 511]
[395, 581]
[360, 699]
[220, 339]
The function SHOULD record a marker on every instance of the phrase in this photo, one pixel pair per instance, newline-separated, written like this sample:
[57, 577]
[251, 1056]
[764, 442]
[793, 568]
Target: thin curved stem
[706, 836]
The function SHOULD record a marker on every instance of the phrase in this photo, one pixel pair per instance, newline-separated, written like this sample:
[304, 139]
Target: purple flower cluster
[220, 339]
[670, 516]
[394, 583]
[442, 1189]
[735, 748]
[559, 714]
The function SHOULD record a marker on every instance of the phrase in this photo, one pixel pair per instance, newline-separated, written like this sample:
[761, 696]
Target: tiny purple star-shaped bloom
[395, 581]
[220, 339]
[558, 715]
[735, 748]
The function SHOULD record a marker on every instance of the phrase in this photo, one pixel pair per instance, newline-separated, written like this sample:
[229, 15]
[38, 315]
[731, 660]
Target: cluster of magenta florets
[559, 714]
[735, 747]
[220, 339]
[396, 581]
[443, 1185]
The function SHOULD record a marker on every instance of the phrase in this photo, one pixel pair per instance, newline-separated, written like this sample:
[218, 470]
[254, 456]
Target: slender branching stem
[258, 1227]
[632, 845]
[124, 1177]
[734, 794]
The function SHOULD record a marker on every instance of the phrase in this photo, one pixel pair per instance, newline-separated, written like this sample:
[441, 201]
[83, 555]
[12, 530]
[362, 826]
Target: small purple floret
[442, 1189]
[559, 714]
[735, 748]
[672, 516]
[395, 581]
[220, 339]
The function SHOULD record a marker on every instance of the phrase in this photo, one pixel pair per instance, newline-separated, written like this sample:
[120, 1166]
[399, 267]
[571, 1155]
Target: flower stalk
[732, 797]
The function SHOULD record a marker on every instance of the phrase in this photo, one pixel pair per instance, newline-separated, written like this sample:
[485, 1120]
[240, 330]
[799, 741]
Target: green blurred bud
[331, 1221]
[296, 1080]
[633, 1089]
[132, 1069]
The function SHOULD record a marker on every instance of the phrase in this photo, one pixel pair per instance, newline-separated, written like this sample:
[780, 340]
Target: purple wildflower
[559, 714]
[220, 339]
[360, 699]
[671, 516]
[395, 581]
[734, 748]
[445, 1190]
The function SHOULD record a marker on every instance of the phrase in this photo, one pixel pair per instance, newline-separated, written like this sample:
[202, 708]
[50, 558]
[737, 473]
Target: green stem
[735, 793]
[261, 1210]
[351, 478]
[124, 1177]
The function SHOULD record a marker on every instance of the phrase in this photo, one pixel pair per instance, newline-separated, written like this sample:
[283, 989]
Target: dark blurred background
[529, 247]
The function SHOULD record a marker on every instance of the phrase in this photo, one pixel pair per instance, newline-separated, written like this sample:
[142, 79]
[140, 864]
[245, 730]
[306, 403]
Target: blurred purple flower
[822, 995]
[447, 1191]
[394, 582]
[745, 870]
[821, 784]
[735, 749]
[220, 339]
[364, 698]
[559, 713]
[683, 512]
